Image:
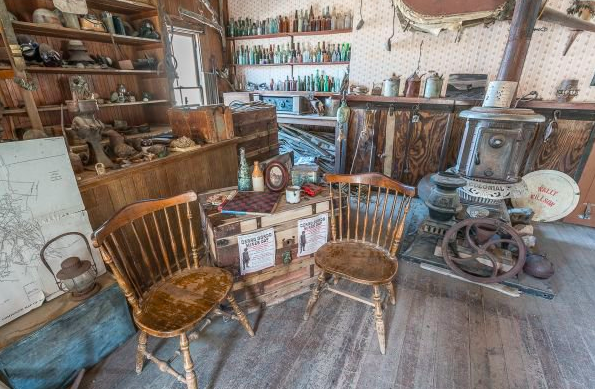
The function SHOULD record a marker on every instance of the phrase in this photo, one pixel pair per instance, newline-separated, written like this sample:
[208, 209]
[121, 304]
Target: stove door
[495, 152]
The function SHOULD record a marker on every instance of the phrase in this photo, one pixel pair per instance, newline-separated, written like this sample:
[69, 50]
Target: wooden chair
[151, 248]
[365, 254]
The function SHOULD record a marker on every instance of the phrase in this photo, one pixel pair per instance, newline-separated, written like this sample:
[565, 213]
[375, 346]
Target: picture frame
[276, 176]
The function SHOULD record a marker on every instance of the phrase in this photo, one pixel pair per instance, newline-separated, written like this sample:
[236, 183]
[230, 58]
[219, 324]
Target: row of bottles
[261, 55]
[301, 21]
[318, 82]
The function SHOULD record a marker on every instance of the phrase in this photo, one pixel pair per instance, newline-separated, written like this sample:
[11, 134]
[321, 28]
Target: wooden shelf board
[74, 70]
[289, 34]
[156, 130]
[293, 93]
[120, 6]
[52, 108]
[294, 64]
[52, 30]
[321, 63]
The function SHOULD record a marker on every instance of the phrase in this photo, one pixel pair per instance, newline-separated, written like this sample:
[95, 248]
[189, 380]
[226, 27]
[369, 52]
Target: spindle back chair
[365, 240]
[151, 248]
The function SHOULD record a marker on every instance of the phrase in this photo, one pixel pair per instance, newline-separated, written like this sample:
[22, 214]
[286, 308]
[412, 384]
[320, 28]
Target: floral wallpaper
[479, 50]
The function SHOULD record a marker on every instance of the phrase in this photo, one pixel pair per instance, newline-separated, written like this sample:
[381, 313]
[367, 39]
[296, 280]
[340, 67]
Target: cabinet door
[584, 214]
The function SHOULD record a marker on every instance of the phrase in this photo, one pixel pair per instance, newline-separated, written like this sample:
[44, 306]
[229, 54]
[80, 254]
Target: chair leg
[391, 291]
[191, 381]
[140, 353]
[379, 320]
[240, 315]
[314, 296]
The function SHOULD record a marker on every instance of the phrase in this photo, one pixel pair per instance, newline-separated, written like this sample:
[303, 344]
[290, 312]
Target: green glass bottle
[244, 176]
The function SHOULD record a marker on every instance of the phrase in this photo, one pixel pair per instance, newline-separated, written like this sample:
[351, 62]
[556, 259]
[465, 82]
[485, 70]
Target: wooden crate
[209, 123]
[273, 284]
[258, 131]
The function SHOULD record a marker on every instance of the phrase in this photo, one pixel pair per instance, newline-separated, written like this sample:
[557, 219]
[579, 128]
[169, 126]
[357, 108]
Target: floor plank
[442, 333]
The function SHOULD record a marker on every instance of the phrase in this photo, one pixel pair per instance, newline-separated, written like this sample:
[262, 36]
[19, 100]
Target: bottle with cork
[257, 178]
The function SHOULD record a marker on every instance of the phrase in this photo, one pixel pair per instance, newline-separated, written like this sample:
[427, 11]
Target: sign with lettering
[312, 234]
[257, 250]
[552, 195]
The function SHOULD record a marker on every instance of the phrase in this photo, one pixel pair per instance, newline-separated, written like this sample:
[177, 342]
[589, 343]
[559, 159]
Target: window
[188, 90]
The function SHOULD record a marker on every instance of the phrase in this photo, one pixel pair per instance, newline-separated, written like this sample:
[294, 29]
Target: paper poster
[257, 251]
[313, 233]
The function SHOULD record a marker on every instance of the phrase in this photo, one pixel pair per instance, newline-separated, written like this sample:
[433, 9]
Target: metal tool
[389, 43]
[552, 126]
[360, 24]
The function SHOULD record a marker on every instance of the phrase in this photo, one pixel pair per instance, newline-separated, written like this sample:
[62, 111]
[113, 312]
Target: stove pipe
[496, 136]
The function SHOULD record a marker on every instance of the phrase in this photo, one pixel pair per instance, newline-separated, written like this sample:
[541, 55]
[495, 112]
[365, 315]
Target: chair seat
[176, 305]
[358, 261]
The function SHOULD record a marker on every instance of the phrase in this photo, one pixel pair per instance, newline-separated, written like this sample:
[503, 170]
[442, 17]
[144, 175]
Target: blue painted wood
[78, 339]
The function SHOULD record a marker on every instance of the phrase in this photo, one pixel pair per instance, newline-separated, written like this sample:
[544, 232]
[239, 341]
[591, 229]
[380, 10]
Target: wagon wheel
[470, 267]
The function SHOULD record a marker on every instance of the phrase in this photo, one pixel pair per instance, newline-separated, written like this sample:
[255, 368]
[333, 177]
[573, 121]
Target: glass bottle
[298, 57]
[340, 22]
[296, 20]
[326, 83]
[347, 22]
[333, 20]
[244, 177]
[257, 178]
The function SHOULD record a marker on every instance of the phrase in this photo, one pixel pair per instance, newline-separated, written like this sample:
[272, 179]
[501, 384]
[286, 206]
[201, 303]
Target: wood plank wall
[200, 170]
[53, 88]
[564, 151]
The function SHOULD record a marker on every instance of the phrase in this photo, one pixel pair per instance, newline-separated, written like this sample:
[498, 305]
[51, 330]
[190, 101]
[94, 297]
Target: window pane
[184, 51]
[194, 96]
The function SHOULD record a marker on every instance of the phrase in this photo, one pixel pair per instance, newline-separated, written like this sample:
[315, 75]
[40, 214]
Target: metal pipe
[524, 17]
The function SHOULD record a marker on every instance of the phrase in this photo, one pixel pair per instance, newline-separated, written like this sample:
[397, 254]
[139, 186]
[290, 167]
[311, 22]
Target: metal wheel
[483, 240]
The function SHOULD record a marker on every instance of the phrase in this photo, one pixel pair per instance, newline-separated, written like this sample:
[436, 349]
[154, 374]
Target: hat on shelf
[49, 56]
[29, 48]
[77, 52]
[45, 16]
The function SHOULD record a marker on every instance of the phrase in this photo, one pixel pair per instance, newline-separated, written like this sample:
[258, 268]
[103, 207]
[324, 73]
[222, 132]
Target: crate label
[257, 250]
[312, 234]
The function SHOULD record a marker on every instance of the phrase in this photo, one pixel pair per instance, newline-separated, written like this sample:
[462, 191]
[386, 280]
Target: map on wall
[39, 200]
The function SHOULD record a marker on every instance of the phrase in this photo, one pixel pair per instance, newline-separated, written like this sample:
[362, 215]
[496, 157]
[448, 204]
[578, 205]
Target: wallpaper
[479, 50]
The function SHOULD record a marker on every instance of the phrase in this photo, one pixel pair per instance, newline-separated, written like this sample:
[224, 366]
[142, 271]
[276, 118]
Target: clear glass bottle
[244, 176]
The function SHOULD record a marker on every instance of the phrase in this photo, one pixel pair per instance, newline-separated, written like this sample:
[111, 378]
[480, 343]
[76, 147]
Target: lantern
[76, 276]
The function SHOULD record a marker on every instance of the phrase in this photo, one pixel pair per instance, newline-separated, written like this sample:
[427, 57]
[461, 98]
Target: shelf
[54, 31]
[54, 108]
[156, 130]
[295, 64]
[120, 6]
[289, 34]
[292, 93]
[75, 70]
[307, 120]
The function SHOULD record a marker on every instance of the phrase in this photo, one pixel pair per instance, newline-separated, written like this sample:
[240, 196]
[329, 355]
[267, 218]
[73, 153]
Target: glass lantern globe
[76, 276]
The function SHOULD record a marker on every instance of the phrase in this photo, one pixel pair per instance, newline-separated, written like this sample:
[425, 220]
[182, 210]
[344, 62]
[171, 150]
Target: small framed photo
[276, 176]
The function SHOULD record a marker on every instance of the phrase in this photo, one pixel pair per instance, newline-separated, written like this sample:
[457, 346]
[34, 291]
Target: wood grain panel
[199, 170]
[564, 150]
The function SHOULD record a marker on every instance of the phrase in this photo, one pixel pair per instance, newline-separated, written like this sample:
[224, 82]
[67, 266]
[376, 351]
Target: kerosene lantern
[76, 276]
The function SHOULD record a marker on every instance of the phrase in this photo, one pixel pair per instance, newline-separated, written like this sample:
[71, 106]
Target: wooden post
[18, 64]
[525, 15]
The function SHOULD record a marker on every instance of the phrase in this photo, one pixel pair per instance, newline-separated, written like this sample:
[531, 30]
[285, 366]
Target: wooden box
[206, 124]
[258, 131]
[273, 284]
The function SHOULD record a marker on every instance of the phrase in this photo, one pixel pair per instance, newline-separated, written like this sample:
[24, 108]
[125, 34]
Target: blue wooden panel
[78, 339]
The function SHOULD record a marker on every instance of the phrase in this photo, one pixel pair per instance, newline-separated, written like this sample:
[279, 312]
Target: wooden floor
[442, 334]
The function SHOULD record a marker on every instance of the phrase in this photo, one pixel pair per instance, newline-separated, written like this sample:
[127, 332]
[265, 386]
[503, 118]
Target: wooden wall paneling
[456, 137]
[564, 150]
[587, 187]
